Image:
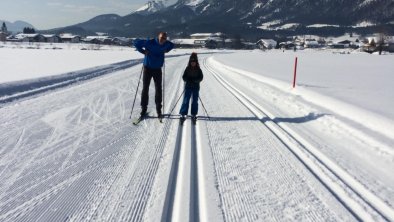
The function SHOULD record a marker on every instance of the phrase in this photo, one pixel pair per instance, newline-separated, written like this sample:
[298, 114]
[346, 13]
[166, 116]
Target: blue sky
[46, 14]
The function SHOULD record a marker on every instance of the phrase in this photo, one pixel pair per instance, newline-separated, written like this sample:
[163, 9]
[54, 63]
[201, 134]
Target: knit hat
[193, 57]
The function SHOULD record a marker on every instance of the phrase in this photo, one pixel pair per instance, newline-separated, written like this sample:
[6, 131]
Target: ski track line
[297, 143]
[350, 131]
[61, 81]
[181, 202]
[136, 210]
[51, 137]
[66, 147]
[123, 179]
[96, 196]
[80, 186]
[246, 107]
[6, 156]
[171, 187]
[93, 201]
[33, 202]
[186, 196]
[16, 174]
[176, 171]
[20, 191]
[69, 136]
[95, 209]
[140, 195]
[48, 143]
[242, 211]
[93, 165]
[204, 190]
[27, 185]
[28, 205]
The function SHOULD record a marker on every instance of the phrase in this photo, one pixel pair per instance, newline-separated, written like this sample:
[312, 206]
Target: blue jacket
[155, 57]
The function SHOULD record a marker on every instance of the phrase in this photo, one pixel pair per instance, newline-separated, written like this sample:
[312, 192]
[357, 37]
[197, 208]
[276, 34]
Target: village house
[335, 45]
[100, 39]
[200, 40]
[287, 45]
[266, 44]
[122, 41]
[189, 43]
[52, 38]
[372, 44]
[311, 43]
[30, 37]
[70, 38]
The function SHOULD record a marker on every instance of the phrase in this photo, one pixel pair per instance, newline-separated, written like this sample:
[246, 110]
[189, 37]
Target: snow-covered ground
[22, 61]
[266, 152]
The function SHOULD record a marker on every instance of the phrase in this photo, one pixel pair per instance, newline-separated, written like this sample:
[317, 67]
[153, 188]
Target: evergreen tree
[4, 28]
[28, 30]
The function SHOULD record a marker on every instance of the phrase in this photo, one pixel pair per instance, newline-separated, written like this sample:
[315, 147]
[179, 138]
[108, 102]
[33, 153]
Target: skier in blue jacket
[154, 50]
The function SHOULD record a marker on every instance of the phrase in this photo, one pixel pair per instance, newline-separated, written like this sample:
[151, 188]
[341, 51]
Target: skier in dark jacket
[154, 50]
[192, 76]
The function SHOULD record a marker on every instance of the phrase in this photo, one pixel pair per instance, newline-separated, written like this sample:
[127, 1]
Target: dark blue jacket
[192, 77]
[155, 57]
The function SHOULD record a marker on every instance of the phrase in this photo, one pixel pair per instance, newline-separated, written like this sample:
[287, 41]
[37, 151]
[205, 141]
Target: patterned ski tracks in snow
[46, 198]
[362, 203]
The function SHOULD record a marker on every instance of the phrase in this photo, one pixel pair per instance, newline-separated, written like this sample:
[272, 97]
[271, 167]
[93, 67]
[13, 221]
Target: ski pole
[204, 108]
[164, 81]
[176, 102]
[136, 92]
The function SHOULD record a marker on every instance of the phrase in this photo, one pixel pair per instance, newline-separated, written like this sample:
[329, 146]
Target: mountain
[150, 8]
[16, 26]
[154, 6]
[249, 18]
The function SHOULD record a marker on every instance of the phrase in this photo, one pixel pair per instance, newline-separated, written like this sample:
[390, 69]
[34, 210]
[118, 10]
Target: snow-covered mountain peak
[193, 3]
[150, 7]
[154, 6]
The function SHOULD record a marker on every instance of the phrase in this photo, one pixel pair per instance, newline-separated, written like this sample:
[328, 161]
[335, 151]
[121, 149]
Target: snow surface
[194, 3]
[356, 78]
[34, 63]
[261, 151]
[321, 25]
[274, 25]
[22, 61]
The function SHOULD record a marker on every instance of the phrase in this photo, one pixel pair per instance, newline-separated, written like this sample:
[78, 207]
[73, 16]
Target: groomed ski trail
[360, 201]
[74, 155]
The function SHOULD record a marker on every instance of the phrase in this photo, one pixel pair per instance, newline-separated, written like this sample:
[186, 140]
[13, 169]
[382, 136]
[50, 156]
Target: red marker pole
[295, 71]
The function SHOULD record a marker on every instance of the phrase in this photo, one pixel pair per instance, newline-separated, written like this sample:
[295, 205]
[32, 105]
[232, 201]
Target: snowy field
[261, 151]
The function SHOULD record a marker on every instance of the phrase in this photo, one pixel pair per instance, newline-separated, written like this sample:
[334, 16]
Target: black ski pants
[156, 74]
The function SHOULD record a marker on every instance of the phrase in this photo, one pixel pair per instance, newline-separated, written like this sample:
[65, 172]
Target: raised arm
[139, 44]
[170, 46]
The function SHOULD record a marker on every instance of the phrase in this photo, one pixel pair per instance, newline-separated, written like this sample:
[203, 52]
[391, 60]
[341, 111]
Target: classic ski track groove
[185, 157]
[358, 199]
